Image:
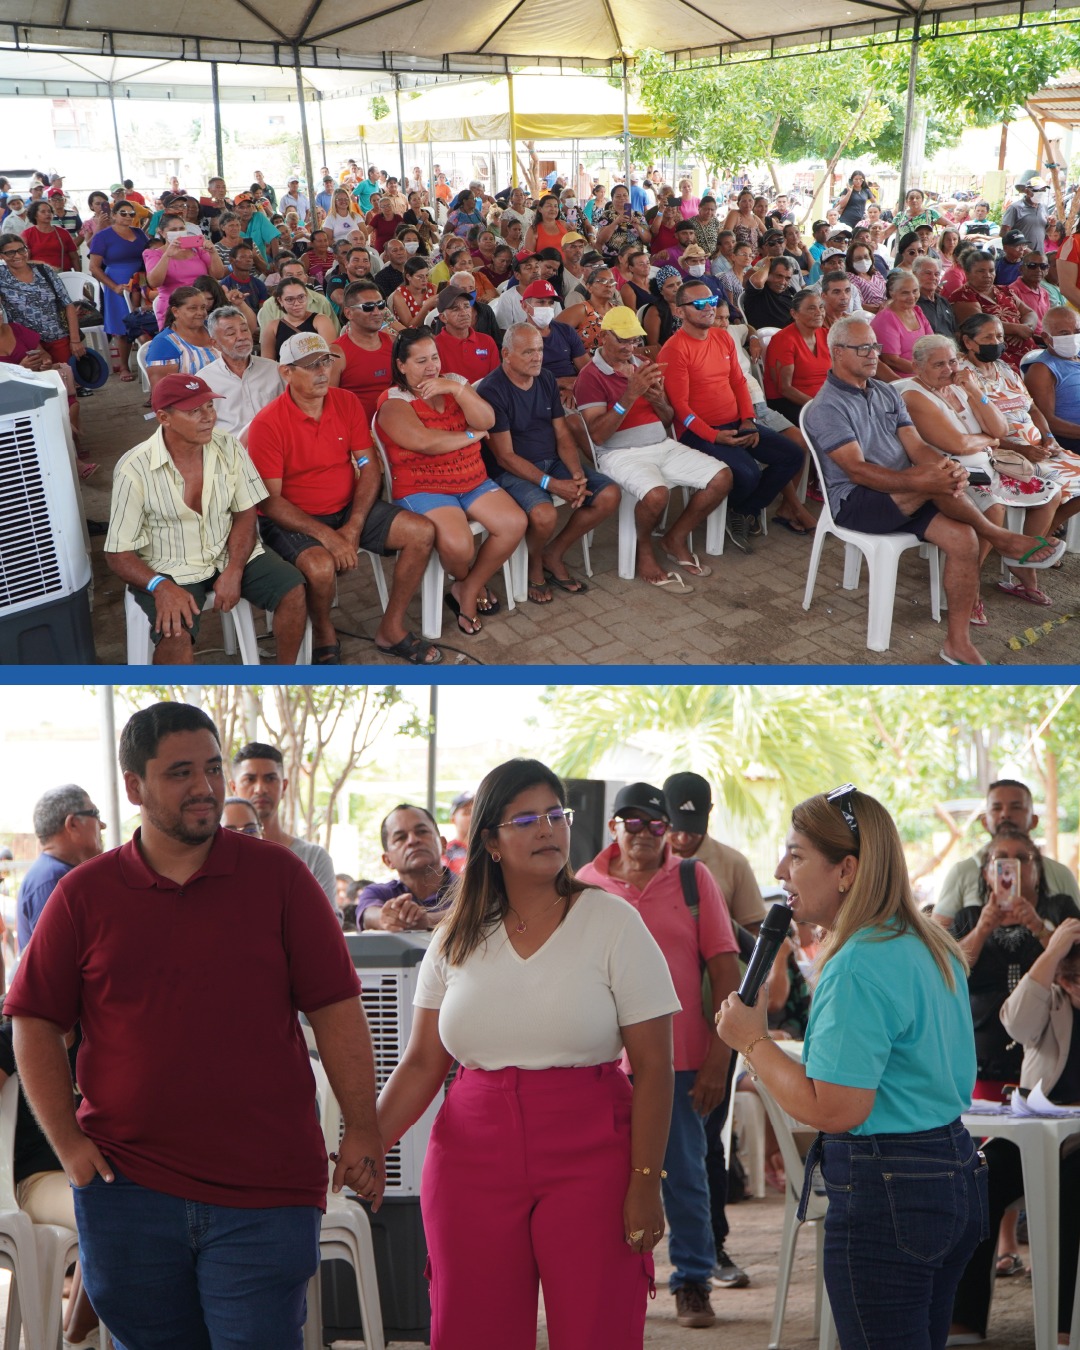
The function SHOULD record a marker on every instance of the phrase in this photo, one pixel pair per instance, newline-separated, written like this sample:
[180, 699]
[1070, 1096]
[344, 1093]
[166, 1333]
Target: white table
[1039, 1139]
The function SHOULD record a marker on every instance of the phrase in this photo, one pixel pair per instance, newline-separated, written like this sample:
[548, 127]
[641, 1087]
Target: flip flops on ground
[569, 584]
[468, 624]
[330, 655]
[792, 525]
[955, 661]
[1032, 594]
[671, 581]
[540, 593]
[411, 649]
[978, 615]
[488, 603]
[691, 565]
[1029, 560]
[1009, 1264]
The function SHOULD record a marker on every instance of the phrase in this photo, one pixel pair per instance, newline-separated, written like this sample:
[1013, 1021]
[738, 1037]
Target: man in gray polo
[883, 478]
[1028, 213]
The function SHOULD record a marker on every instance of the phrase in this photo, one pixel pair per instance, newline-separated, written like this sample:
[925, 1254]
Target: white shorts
[639, 469]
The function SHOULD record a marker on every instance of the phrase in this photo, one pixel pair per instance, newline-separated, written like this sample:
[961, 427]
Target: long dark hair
[477, 900]
[179, 297]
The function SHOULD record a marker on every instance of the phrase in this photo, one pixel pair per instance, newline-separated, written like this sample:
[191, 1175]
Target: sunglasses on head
[635, 825]
[841, 798]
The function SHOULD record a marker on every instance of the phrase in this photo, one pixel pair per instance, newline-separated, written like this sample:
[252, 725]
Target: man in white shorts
[621, 397]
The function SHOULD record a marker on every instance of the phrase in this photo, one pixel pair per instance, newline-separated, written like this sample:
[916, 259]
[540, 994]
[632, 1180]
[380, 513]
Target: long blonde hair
[880, 896]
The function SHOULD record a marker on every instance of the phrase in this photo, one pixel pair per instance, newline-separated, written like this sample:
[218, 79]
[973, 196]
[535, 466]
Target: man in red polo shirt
[364, 344]
[312, 446]
[196, 1158]
[462, 350]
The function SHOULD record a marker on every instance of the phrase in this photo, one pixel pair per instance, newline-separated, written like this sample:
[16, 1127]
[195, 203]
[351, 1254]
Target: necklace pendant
[522, 926]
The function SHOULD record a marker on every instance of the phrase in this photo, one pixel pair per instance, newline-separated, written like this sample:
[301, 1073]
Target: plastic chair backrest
[826, 512]
[9, 1115]
[783, 1128]
[377, 441]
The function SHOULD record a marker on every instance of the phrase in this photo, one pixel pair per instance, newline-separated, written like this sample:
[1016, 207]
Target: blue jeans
[171, 1274]
[760, 474]
[905, 1213]
[686, 1190]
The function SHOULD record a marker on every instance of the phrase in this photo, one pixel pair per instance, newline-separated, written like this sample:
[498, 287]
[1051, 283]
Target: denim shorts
[423, 502]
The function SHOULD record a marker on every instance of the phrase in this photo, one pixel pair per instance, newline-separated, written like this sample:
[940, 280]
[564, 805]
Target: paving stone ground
[748, 612]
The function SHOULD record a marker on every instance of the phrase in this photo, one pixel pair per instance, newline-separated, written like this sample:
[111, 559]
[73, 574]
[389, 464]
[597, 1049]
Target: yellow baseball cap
[622, 321]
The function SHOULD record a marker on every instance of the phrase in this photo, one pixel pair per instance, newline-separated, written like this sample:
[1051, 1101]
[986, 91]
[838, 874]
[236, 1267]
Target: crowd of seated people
[401, 294]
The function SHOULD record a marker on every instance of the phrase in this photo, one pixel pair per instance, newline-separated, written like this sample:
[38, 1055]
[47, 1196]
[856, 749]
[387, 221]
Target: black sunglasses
[95, 814]
[841, 798]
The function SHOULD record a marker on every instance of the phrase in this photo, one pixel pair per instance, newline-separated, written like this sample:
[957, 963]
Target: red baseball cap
[181, 391]
[539, 290]
[523, 255]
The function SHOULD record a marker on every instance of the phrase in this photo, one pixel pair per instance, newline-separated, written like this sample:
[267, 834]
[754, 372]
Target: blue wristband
[545, 481]
[688, 419]
[362, 461]
[154, 583]
[471, 435]
[618, 407]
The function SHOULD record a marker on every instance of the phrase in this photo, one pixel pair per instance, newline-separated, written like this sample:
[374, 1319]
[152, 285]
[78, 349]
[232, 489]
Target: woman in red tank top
[431, 426]
[547, 229]
[414, 300]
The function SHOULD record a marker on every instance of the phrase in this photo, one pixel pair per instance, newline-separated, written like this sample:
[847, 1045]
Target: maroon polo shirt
[193, 1066]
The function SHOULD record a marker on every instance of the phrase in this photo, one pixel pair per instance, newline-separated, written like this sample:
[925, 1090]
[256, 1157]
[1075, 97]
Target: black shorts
[875, 512]
[291, 543]
[266, 581]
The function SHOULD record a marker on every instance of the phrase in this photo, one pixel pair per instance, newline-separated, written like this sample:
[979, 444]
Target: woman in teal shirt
[888, 1066]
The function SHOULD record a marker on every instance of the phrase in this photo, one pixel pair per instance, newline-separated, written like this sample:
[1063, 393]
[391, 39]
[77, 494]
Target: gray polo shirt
[873, 416]
[1031, 221]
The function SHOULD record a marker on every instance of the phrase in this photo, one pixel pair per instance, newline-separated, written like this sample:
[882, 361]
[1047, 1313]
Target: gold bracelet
[746, 1053]
[647, 1172]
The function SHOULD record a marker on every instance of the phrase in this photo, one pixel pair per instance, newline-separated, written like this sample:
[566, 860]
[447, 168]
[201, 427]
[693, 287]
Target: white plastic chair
[18, 1243]
[431, 590]
[345, 1235]
[140, 359]
[882, 553]
[519, 559]
[749, 1117]
[237, 626]
[83, 286]
[794, 1168]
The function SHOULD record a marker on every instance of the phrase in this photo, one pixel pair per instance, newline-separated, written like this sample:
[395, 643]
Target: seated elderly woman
[900, 322]
[981, 295]
[431, 427]
[183, 346]
[946, 404]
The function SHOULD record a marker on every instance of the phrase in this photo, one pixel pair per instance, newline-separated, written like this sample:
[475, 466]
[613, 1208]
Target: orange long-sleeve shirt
[704, 382]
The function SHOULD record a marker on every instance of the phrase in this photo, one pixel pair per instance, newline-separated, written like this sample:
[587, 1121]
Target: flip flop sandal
[952, 661]
[455, 609]
[1009, 1264]
[488, 603]
[327, 656]
[978, 616]
[691, 565]
[673, 582]
[792, 525]
[542, 590]
[1019, 591]
[1048, 561]
[570, 585]
[86, 470]
[411, 649]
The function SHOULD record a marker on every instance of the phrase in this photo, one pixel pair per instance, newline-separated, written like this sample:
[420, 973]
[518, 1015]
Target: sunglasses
[125, 215]
[1041, 267]
[841, 798]
[369, 306]
[559, 815]
[706, 302]
[95, 814]
[1004, 857]
[635, 825]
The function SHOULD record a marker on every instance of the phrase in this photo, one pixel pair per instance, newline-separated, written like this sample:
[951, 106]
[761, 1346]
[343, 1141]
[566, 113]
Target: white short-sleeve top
[563, 1006]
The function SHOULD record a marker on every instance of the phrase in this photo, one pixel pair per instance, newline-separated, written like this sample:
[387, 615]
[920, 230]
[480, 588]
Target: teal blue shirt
[884, 1018]
[364, 191]
[261, 233]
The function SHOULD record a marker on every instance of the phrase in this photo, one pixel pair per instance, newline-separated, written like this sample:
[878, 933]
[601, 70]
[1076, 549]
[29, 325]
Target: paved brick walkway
[748, 612]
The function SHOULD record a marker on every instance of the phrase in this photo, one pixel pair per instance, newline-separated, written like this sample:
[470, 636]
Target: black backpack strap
[688, 881]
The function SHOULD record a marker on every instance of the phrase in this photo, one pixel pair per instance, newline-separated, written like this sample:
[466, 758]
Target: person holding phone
[176, 260]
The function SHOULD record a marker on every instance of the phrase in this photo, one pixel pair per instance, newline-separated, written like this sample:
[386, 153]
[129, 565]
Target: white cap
[304, 344]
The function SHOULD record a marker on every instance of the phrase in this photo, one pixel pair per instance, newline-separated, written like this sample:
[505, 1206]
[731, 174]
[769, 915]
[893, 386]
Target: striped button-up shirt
[149, 516]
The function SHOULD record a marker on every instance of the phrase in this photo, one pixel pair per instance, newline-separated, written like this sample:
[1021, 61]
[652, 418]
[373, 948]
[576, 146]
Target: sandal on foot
[1051, 558]
[411, 649]
[978, 615]
[462, 619]
[691, 565]
[487, 602]
[1031, 594]
[953, 661]
[792, 525]
[539, 593]
[673, 582]
[569, 584]
[329, 655]
[1009, 1264]
[86, 470]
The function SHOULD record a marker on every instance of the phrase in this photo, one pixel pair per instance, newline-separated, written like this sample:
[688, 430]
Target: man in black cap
[640, 867]
[1014, 244]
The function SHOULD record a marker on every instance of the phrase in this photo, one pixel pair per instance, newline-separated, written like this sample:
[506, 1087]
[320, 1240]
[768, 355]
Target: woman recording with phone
[888, 1065]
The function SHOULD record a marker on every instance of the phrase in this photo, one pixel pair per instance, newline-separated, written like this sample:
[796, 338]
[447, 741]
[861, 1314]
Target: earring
[496, 857]
[842, 889]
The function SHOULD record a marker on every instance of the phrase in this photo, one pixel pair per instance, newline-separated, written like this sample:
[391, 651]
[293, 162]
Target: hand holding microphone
[743, 1018]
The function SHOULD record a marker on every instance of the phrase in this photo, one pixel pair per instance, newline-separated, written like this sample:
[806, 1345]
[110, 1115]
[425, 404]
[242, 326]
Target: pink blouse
[895, 338]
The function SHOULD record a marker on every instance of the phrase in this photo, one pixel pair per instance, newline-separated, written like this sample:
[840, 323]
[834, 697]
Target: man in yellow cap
[621, 396]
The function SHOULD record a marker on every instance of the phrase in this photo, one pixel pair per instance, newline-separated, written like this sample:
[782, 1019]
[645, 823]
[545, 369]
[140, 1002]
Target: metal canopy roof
[1058, 103]
[431, 35]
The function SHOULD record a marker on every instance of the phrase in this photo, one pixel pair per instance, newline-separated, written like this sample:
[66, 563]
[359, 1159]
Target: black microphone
[774, 929]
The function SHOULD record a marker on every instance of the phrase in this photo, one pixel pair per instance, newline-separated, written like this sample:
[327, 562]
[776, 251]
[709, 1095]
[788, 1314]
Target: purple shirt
[380, 891]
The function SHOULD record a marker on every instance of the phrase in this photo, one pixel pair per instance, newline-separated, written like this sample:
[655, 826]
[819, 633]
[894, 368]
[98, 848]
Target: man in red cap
[564, 351]
[182, 527]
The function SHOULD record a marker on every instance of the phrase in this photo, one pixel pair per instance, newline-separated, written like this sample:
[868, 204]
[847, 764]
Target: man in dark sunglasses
[695, 934]
[365, 344]
[68, 826]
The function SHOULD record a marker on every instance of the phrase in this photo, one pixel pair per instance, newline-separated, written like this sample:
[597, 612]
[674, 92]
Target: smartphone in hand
[1006, 883]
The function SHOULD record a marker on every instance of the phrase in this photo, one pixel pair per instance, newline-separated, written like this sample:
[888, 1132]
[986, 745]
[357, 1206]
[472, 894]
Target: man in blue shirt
[639, 202]
[325, 198]
[241, 276]
[68, 826]
[413, 848]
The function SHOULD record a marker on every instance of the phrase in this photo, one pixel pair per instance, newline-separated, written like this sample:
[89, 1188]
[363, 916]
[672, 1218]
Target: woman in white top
[543, 1166]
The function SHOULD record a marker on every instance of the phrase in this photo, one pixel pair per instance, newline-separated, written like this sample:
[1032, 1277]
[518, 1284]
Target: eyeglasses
[706, 302]
[251, 828]
[14, 252]
[841, 798]
[628, 342]
[368, 306]
[559, 815]
[863, 348]
[320, 363]
[635, 825]
[94, 814]
[1005, 857]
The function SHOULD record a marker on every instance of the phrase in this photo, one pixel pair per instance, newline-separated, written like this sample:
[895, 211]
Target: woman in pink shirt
[900, 324]
[688, 203]
[178, 259]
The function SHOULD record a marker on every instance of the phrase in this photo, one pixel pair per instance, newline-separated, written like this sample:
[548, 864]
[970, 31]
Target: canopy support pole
[513, 133]
[305, 138]
[116, 134]
[322, 129]
[216, 95]
[626, 122]
[433, 748]
[107, 738]
[909, 113]
[400, 136]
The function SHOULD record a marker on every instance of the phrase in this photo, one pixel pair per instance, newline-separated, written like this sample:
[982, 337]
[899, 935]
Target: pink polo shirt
[685, 942]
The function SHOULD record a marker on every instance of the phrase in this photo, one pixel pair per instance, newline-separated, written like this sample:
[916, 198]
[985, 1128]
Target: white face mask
[543, 315]
[411, 245]
[697, 270]
[862, 264]
[1067, 344]
[570, 201]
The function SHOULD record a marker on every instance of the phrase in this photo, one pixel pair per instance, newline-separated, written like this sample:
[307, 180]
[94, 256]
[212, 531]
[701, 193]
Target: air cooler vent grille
[29, 566]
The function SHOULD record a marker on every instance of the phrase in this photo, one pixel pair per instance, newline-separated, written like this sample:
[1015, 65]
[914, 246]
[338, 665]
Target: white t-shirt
[564, 1005]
